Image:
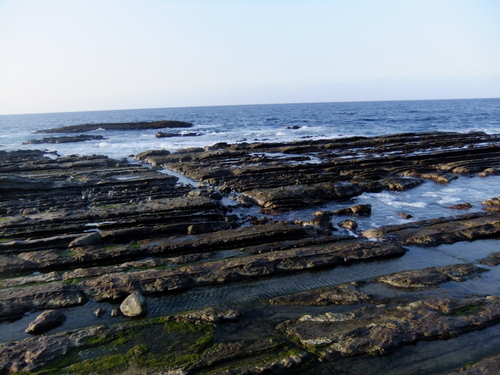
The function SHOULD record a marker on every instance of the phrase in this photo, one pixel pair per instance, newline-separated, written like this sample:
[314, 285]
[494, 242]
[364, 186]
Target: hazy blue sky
[72, 55]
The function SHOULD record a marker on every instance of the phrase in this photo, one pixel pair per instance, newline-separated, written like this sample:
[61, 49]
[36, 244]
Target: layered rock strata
[77, 229]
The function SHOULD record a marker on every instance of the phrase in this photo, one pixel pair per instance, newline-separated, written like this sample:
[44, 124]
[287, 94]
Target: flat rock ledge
[382, 329]
[118, 285]
[445, 230]
[71, 139]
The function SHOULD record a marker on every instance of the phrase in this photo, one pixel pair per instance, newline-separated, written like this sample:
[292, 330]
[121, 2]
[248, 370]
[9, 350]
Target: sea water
[255, 123]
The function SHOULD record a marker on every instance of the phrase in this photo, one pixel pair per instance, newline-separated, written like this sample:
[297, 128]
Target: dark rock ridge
[75, 138]
[172, 135]
[118, 126]
[488, 366]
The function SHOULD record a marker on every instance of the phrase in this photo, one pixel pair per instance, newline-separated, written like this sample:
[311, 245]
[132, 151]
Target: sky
[83, 55]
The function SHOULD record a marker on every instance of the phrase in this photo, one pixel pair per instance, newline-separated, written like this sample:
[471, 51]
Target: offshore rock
[45, 321]
[492, 202]
[461, 206]
[118, 126]
[348, 224]
[493, 259]
[358, 210]
[75, 138]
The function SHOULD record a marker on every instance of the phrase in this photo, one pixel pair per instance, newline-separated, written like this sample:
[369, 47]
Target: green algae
[146, 344]
[465, 310]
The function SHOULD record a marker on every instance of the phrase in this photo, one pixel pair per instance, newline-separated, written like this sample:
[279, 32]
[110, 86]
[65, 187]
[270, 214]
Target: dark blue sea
[256, 123]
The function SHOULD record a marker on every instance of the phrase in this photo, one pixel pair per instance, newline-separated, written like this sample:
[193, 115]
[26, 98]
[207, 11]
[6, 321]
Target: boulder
[348, 224]
[45, 321]
[357, 210]
[134, 305]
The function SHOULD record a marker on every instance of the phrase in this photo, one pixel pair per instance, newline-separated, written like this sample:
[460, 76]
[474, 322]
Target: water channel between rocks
[248, 294]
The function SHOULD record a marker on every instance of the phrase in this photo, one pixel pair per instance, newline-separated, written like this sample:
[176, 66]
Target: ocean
[255, 123]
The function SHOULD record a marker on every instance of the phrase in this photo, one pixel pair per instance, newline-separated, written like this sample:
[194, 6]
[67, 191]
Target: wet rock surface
[81, 233]
[438, 231]
[383, 329]
[45, 321]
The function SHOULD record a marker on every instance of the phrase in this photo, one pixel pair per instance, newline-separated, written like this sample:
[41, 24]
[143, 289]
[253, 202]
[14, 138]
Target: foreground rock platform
[80, 234]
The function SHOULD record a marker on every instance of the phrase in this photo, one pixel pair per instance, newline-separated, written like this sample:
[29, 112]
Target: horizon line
[239, 105]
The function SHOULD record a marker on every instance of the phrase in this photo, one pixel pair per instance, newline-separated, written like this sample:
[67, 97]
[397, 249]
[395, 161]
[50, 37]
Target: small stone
[348, 224]
[45, 321]
[133, 305]
[404, 215]
[99, 312]
[115, 312]
[30, 211]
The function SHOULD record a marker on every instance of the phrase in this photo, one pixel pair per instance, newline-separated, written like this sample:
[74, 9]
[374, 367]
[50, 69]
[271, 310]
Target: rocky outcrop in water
[172, 135]
[72, 139]
[118, 126]
[45, 321]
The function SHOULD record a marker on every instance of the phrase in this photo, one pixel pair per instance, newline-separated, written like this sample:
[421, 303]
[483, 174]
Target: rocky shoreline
[89, 230]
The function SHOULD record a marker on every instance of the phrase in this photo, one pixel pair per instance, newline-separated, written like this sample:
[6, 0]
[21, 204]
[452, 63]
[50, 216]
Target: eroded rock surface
[45, 321]
[445, 230]
[384, 328]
